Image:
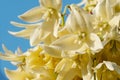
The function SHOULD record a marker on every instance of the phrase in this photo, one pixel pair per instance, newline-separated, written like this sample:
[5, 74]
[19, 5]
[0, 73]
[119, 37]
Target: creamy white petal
[13, 57]
[71, 24]
[48, 38]
[37, 36]
[88, 20]
[10, 56]
[46, 3]
[44, 74]
[67, 42]
[31, 26]
[81, 18]
[48, 25]
[24, 33]
[115, 21]
[76, 11]
[110, 66]
[56, 28]
[109, 10]
[18, 51]
[65, 69]
[82, 49]
[58, 4]
[94, 43]
[55, 4]
[7, 52]
[70, 75]
[33, 15]
[17, 75]
[64, 65]
[100, 9]
[98, 66]
[103, 9]
[53, 51]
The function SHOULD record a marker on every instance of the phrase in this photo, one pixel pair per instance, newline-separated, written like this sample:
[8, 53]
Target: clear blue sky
[9, 10]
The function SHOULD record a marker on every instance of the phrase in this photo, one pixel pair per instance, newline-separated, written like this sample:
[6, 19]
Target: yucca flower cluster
[83, 46]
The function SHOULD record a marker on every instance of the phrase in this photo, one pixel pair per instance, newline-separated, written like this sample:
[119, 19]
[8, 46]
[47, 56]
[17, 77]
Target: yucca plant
[83, 46]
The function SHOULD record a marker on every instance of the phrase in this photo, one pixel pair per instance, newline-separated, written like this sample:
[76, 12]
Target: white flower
[105, 13]
[44, 11]
[111, 43]
[103, 10]
[107, 71]
[48, 17]
[13, 57]
[81, 36]
[18, 74]
[67, 70]
[87, 47]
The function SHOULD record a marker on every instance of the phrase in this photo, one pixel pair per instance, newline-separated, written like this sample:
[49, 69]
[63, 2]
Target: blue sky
[9, 10]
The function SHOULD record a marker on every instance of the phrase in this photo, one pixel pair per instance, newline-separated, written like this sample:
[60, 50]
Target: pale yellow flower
[107, 9]
[67, 69]
[104, 9]
[86, 63]
[53, 51]
[81, 36]
[40, 63]
[18, 74]
[107, 71]
[48, 17]
[104, 13]
[114, 33]
[23, 74]
[87, 47]
[35, 60]
[45, 74]
[13, 57]
[110, 52]
[111, 43]
[46, 10]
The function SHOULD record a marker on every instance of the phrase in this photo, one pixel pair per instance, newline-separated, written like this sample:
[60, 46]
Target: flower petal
[33, 15]
[17, 75]
[95, 43]
[66, 68]
[69, 75]
[8, 52]
[32, 26]
[24, 33]
[13, 58]
[53, 51]
[37, 36]
[10, 56]
[103, 9]
[55, 4]
[109, 10]
[67, 42]
[110, 65]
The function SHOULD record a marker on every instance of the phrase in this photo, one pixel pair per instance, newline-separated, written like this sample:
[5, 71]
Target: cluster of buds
[83, 46]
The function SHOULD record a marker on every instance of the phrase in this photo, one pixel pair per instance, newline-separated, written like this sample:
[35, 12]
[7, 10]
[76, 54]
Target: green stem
[63, 20]
[63, 15]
